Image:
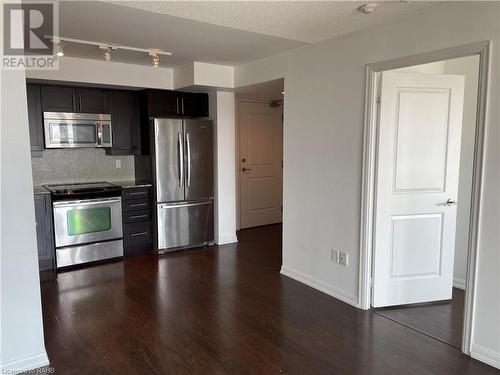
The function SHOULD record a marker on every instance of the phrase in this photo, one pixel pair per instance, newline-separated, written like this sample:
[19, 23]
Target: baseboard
[25, 364]
[458, 283]
[320, 285]
[485, 355]
[223, 240]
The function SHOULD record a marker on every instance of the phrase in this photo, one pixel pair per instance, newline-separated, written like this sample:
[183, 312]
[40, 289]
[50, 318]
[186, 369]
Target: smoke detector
[368, 8]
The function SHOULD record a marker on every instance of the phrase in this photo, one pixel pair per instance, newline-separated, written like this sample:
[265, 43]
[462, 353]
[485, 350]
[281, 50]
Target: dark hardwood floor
[224, 310]
[441, 320]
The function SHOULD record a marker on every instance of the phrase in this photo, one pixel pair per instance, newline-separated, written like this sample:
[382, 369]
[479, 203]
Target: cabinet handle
[137, 193]
[137, 216]
[138, 234]
[138, 204]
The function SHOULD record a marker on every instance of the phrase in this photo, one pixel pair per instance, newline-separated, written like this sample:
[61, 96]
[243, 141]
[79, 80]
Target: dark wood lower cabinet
[136, 217]
[44, 232]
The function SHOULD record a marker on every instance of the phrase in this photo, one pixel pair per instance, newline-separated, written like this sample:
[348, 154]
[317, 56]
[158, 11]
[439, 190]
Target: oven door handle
[87, 202]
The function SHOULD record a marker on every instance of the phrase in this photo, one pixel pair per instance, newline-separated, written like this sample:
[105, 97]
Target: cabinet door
[44, 237]
[92, 100]
[163, 103]
[194, 105]
[35, 119]
[58, 99]
[125, 122]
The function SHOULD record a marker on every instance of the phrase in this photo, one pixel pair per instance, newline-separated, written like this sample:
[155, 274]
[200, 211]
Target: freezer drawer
[184, 224]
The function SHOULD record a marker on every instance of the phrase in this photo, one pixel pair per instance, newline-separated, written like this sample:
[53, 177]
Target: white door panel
[261, 134]
[418, 166]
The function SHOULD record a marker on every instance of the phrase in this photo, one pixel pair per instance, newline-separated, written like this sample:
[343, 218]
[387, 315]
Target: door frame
[373, 74]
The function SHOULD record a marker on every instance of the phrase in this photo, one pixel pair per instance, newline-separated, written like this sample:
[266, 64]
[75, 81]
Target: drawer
[137, 233]
[136, 216]
[142, 193]
[135, 205]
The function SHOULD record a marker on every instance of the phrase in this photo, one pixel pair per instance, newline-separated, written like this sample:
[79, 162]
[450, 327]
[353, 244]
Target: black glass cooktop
[84, 190]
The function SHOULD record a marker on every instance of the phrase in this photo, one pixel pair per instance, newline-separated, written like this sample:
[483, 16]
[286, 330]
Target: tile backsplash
[80, 165]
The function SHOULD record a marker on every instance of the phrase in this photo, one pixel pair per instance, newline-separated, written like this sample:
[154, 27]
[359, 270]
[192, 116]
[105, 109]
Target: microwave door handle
[99, 133]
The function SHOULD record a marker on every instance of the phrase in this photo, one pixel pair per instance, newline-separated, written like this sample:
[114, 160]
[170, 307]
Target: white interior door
[261, 155]
[418, 166]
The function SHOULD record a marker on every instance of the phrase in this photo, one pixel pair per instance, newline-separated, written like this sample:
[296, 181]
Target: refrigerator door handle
[180, 147]
[204, 203]
[188, 152]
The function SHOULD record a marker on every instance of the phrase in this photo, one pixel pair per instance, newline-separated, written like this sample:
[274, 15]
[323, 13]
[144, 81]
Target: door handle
[188, 152]
[180, 147]
[449, 202]
[245, 169]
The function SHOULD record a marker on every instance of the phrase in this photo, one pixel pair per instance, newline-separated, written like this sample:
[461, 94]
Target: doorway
[260, 154]
[423, 161]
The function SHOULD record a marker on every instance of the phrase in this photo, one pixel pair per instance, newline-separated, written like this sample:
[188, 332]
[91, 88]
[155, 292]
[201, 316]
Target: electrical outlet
[343, 258]
[118, 163]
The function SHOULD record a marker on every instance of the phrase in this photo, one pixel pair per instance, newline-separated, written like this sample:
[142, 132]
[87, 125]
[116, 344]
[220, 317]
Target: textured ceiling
[305, 21]
[220, 32]
[188, 40]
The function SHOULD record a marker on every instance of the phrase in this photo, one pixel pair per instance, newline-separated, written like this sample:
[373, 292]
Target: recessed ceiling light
[368, 8]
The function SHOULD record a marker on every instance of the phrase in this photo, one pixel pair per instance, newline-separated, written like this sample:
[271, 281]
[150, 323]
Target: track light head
[155, 60]
[60, 49]
[107, 54]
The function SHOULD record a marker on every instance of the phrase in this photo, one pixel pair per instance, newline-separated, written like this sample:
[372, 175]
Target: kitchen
[118, 172]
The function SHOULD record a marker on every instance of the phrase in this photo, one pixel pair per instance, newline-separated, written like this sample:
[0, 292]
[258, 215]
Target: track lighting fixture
[60, 49]
[107, 54]
[108, 47]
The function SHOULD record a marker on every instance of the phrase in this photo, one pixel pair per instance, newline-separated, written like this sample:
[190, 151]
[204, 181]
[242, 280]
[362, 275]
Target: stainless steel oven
[70, 130]
[85, 221]
[87, 227]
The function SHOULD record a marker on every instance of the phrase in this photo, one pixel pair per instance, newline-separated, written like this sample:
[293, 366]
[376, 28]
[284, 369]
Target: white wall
[222, 112]
[323, 140]
[107, 73]
[21, 330]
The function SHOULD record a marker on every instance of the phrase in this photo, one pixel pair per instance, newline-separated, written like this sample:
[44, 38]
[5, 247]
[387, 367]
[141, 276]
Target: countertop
[39, 189]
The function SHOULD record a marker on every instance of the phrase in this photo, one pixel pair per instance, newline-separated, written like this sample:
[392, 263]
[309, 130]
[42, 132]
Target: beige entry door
[261, 172]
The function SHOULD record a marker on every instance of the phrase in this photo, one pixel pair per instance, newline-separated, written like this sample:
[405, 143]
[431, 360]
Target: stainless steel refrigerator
[182, 160]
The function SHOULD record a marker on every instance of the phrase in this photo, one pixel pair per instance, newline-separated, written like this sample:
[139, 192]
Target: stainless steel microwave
[71, 130]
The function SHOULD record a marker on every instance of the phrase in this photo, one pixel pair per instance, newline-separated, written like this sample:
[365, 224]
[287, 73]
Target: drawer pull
[138, 193]
[137, 216]
[138, 205]
[139, 234]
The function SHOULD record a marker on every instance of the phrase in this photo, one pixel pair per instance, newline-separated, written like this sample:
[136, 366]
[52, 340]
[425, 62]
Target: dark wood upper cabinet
[74, 99]
[194, 105]
[165, 103]
[35, 119]
[124, 107]
[162, 103]
[92, 100]
[58, 99]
